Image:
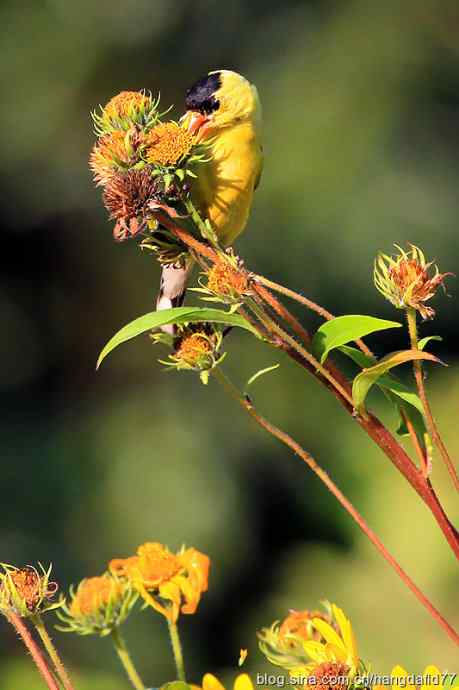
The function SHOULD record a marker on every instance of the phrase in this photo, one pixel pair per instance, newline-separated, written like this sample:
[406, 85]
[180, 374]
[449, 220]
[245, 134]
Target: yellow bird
[222, 105]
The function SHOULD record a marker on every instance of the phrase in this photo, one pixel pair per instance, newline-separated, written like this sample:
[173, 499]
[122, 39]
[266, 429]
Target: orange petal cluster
[170, 583]
[93, 594]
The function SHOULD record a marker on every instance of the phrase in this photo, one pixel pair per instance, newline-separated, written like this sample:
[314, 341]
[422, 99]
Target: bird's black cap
[201, 96]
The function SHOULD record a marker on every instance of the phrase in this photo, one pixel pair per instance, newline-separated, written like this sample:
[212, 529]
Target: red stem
[17, 622]
[287, 440]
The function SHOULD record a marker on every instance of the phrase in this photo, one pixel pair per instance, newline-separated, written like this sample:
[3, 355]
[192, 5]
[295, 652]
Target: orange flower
[161, 576]
[167, 143]
[227, 280]
[125, 103]
[97, 606]
[112, 153]
[94, 593]
[299, 624]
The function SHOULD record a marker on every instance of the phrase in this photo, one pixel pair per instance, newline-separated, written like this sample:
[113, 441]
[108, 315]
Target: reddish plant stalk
[35, 652]
[287, 440]
[430, 421]
[371, 424]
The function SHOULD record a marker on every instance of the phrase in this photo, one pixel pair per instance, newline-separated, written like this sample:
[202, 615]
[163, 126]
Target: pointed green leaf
[346, 329]
[403, 397]
[178, 315]
[423, 342]
[365, 380]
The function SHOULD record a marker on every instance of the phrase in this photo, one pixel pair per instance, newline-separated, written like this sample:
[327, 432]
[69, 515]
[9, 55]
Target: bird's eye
[201, 96]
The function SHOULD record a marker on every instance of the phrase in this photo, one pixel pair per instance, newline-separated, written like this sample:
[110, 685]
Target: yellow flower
[170, 583]
[242, 682]
[98, 605]
[431, 679]
[405, 280]
[337, 646]
[318, 646]
[25, 591]
[167, 143]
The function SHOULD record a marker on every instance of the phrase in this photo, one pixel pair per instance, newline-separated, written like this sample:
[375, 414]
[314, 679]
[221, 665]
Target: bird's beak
[196, 123]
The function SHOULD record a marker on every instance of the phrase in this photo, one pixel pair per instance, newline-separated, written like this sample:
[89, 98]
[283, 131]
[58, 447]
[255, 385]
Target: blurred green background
[361, 109]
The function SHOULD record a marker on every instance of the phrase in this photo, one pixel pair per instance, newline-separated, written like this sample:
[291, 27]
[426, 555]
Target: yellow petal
[315, 650]
[432, 678]
[346, 633]
[328, 633]
[399, 672]
[243, 682]
[210, 682]
[242, 656]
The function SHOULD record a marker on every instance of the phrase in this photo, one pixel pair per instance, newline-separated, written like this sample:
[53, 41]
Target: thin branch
[35, 652]
[430, 421]
[53, 653]
[371, 424]
[306, 302]
[287, 440]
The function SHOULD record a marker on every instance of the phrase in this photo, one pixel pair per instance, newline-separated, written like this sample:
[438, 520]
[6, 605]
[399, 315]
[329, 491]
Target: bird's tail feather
[172, 288]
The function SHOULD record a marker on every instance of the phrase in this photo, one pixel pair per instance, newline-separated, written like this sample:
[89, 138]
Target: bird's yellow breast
[224, 189]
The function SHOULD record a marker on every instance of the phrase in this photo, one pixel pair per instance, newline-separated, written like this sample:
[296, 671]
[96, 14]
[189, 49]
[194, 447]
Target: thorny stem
[287, 440]
[277, 330]
[371, 425]
[35, 652]
[279, 308]
[431, 425]
[126, 660]
[309, 304]
[52, 651]
[177, 650]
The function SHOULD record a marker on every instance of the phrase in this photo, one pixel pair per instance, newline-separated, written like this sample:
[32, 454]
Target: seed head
[405, 280]
[25, 591]
[126, 198]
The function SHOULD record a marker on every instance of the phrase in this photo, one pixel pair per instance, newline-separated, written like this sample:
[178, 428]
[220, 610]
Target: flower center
[167, 143]
[330, 676]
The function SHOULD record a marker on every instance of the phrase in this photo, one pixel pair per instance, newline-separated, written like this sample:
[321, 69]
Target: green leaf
[365, 380]
[346, 329]
[262, 372]
[178, 315]
[423, 342]
[403, 397]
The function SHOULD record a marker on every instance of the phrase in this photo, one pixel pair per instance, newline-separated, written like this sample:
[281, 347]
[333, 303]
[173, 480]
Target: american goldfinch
[222, 105]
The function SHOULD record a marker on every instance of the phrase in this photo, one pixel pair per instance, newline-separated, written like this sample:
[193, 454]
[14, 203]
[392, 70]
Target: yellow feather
[224, 189]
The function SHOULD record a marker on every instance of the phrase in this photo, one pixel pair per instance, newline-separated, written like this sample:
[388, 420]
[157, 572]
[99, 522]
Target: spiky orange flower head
[122, 105]
[168, 143]
[227, 280]
[93, 594]
[28, 585]
[405, 280]
[178, 578]
[112, 153]
[193, 349]
[26, 591]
